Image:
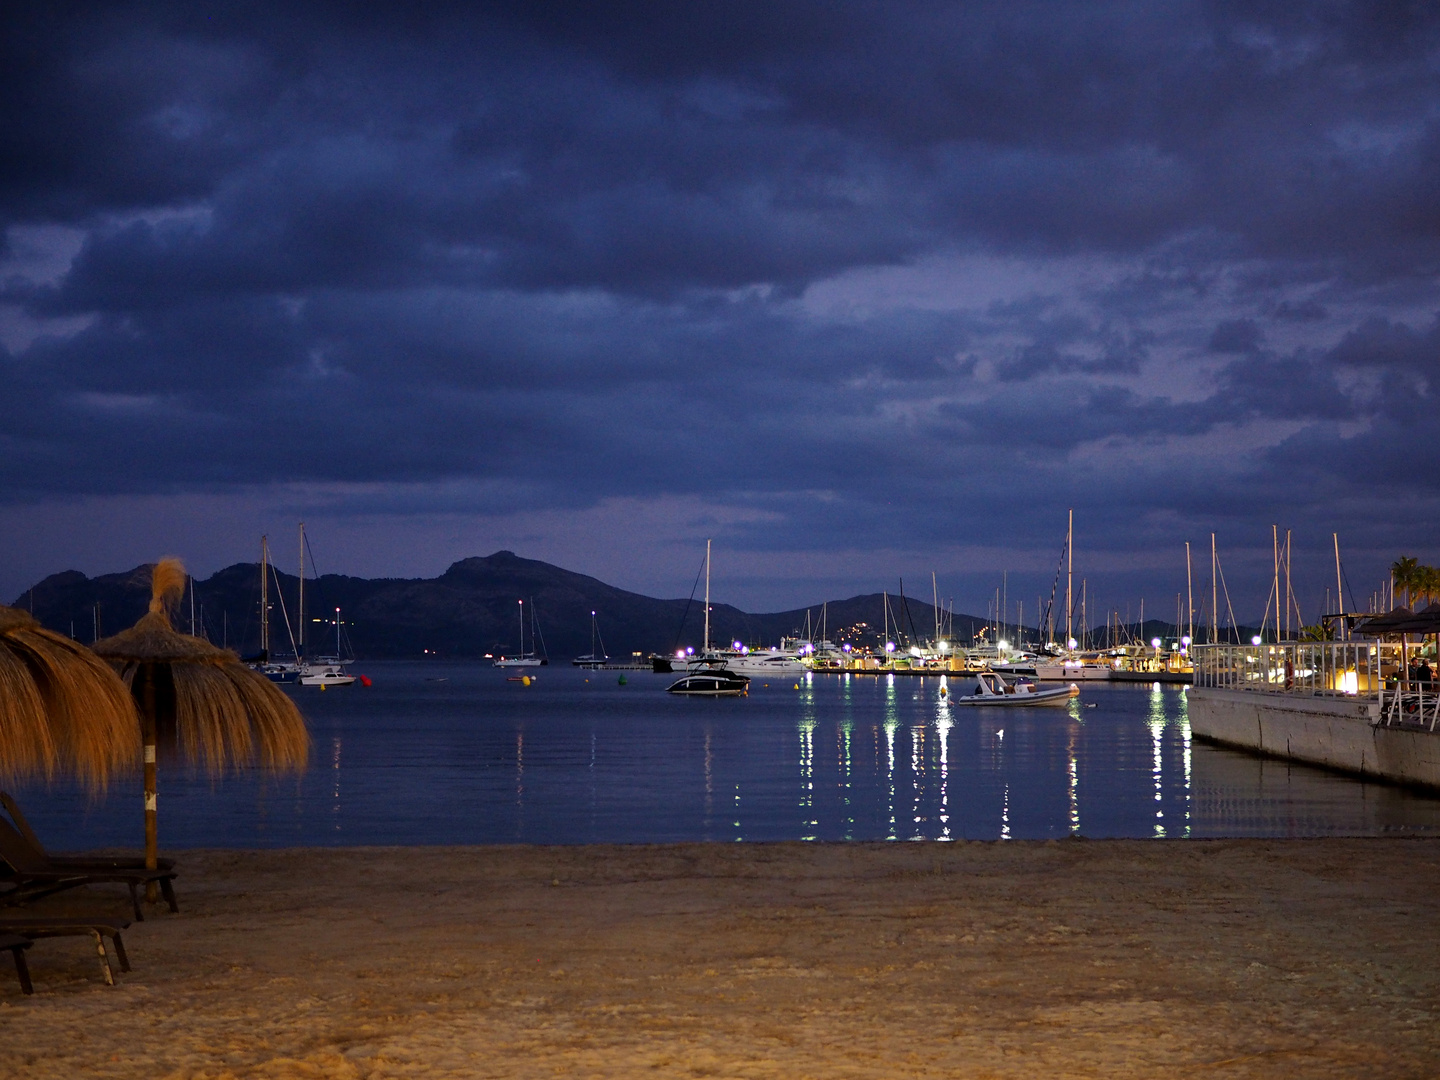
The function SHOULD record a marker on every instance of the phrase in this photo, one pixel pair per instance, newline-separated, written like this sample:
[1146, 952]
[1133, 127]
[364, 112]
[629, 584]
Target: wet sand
[1078, 958]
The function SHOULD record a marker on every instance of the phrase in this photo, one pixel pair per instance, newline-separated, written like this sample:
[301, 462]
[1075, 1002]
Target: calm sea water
[441, 754]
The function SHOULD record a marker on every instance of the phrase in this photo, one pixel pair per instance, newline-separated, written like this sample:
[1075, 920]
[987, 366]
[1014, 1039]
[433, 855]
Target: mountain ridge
[469, 610]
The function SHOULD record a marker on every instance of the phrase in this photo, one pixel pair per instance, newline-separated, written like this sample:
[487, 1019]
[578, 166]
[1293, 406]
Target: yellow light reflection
[1156, 723]
[942, 731]
[807, 777]
[1074, 771]
[335, 765]
[890, 727]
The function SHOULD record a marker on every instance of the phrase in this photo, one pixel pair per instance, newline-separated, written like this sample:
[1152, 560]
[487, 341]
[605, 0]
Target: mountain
[471, 609]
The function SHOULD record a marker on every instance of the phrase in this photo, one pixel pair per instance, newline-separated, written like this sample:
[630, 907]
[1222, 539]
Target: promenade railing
[1378, 671]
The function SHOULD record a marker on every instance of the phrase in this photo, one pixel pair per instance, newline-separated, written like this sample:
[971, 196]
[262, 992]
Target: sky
[862, 291]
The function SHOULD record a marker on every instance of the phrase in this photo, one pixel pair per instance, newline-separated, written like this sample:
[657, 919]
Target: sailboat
[593, 659]
[321, 671]
[280, 671]
[708, 676]
[524, 659]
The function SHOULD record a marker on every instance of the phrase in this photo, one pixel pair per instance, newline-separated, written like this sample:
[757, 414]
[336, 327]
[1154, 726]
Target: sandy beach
[1076, 958]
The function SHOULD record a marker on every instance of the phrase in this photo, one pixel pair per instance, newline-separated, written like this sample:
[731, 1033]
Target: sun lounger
[35, 873]
[16, 945]
[39, 926]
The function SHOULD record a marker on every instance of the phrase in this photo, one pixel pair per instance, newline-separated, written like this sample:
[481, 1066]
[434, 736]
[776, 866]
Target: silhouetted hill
[471, 609]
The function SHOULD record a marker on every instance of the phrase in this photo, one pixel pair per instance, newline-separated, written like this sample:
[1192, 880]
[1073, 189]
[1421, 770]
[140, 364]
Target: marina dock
[1344, 705]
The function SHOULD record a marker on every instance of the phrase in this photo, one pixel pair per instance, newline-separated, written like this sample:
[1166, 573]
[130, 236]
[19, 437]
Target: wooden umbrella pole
[148, 738]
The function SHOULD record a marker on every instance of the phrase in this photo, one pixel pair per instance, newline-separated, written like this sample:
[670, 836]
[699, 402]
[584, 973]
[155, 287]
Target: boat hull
[1073, 673]
[1056, 698]
[710, 684]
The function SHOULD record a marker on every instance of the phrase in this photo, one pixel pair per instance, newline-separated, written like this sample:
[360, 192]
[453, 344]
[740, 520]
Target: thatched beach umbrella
[218, 711]
[61, 708]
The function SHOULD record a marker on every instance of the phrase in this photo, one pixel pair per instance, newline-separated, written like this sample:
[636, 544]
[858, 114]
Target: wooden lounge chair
[40, 926]
[17, 946]
[35, 873]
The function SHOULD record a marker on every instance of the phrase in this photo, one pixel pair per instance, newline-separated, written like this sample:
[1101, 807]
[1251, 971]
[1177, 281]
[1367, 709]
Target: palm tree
[1427, 582]
[1403, 574]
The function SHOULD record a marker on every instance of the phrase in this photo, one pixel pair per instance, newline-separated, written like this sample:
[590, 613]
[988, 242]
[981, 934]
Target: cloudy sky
[860, 290]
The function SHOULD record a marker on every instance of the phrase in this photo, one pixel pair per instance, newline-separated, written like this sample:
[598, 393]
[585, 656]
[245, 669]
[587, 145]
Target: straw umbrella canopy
[218, 712]
[62, 709]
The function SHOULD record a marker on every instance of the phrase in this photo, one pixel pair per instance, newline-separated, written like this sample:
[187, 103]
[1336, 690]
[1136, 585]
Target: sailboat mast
[707, 596]
[265, 596]
[300, 641]
[1339, 592]
[1214, 596]
[1069, 576]
[935, 605]
[1289, 591]
[1189, 595]
[1275, 544]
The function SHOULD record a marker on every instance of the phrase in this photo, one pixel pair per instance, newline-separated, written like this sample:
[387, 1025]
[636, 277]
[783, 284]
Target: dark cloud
[867, 271]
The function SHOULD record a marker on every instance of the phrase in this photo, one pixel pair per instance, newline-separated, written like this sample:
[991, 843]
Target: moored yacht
[524, 659]
[708, 675]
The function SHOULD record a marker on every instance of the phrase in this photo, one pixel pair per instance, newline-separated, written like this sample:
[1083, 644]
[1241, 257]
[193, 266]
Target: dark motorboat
[711, 682]
[706, 675]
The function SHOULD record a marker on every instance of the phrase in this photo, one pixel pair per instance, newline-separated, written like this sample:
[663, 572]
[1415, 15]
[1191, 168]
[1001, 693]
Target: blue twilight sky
[861, 290]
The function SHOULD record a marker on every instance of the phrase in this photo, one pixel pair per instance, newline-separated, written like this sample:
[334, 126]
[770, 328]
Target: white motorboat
[1074, 669]
[326, 671]
[991, 689]
[771, 662]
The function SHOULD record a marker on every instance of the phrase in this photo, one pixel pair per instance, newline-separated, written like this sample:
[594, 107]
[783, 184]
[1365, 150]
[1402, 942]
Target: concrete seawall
[1337, 732]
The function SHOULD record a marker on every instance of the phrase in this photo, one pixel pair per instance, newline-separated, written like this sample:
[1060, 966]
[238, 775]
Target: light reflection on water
[579, 758]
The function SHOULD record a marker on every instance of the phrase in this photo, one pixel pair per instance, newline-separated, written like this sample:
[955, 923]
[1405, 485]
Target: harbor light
[889, 646]
[1071, 644]
[1255, 640]
[689, 650]
[1185, 641]
[1004, 645]
[846, 646]
[1155, 643]
[943, 646]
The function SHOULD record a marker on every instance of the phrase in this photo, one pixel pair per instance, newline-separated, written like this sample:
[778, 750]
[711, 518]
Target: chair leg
[22, 968]
[168, 888]
[120, 952]
[104, 958]
[135, 902]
